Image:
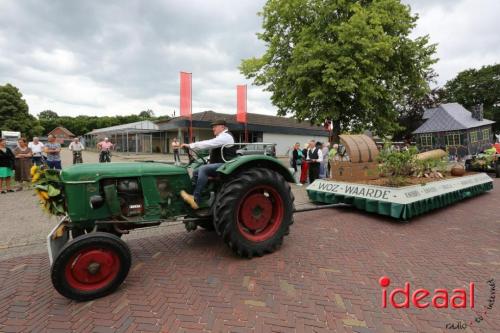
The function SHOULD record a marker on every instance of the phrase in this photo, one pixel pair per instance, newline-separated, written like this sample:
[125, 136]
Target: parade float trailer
[350, 184]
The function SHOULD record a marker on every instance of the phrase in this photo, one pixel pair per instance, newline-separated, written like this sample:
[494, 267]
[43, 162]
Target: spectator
[36, 149]
[6, 165]
[53, 151]
[297, 163]
[23, 163]
[175, 147]
[304, 166]
[331, 156]
[76, 147]
[314, 157]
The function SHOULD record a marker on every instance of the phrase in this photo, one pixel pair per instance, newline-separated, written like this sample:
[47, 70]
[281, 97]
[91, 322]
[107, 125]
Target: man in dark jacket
[314, 158]
[217, 157]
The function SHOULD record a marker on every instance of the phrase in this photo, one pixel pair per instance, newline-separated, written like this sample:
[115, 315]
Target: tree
[48, 115]
[477, 86]
[349, 61]
[147, 114]
[14, 111]
[411, 113]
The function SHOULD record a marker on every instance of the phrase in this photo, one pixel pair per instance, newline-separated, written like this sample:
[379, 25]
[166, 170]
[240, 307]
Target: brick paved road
[324, 278]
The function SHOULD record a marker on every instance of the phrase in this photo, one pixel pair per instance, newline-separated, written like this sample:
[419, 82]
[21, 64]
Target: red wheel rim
[92, 269]
[260, 213]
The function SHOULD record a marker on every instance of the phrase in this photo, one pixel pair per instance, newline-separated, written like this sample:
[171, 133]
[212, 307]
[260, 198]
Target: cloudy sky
[120, 57]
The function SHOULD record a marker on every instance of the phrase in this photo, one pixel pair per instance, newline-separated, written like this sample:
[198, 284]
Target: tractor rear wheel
[91, 266]
[497, 168]
[254, 212]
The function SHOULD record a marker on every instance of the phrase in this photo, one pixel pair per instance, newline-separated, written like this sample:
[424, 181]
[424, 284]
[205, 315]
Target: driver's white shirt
[224, 138]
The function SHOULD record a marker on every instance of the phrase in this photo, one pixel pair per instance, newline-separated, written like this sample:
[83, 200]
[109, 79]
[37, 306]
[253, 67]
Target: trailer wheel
[254, 212]
[91, 266]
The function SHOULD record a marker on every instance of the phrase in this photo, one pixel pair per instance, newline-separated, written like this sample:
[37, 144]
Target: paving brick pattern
[323, 279]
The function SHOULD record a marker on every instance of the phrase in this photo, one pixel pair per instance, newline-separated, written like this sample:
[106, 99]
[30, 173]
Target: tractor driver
[200, 175]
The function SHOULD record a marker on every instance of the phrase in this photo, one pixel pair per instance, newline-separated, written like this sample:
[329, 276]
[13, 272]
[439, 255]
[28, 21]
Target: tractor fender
[241, 163]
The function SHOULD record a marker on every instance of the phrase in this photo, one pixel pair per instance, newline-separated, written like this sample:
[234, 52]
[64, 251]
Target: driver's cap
[218, 122]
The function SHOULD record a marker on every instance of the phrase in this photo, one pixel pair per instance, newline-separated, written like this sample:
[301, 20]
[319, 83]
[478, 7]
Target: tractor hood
[91, 172]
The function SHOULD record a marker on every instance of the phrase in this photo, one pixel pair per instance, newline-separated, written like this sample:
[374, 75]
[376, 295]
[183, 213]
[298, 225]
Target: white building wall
[285, 141]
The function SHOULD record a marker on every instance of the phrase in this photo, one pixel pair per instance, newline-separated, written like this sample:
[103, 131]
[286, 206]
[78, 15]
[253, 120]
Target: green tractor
[249, 204]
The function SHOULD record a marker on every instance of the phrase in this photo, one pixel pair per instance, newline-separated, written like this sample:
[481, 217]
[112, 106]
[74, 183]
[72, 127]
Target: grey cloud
[137, 48]
[102, 53]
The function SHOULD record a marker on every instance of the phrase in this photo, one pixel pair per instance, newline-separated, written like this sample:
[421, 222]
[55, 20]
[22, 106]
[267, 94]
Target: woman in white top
[36, 148]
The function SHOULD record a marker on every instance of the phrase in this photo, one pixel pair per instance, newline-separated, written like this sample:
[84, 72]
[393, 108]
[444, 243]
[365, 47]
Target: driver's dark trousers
[200, 178]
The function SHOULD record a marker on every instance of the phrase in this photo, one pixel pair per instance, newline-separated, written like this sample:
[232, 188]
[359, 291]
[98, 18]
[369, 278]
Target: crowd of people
[17, 162]
[312, 161]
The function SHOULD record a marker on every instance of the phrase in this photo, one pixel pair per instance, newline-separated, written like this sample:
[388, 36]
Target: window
[453, 140]
[473, 136]
[486, 134]
[426, 140]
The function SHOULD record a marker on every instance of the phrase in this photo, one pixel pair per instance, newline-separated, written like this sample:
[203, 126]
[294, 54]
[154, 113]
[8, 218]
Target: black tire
[269, 198]
[73, 264]
[497, 169]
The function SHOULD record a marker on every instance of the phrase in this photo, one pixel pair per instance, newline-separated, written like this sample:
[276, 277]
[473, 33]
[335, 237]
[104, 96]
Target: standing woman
[175, 146]
[304, 170]
[23, 162]
[6, 165]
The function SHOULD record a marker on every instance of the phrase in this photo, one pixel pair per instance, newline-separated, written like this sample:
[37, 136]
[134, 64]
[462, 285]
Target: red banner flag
[241, 104]
[186, 107]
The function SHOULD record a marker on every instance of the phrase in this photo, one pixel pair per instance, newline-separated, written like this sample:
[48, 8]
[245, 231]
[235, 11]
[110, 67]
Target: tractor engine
[129, 194]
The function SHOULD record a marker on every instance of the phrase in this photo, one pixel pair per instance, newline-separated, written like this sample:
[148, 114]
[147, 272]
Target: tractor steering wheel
[192, 158]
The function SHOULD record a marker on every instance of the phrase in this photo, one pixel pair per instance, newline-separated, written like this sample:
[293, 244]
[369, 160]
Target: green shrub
[397, 166]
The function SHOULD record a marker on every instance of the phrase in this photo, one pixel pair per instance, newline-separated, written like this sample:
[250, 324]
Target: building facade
[455, 129]
[284, 132]
[149, 137]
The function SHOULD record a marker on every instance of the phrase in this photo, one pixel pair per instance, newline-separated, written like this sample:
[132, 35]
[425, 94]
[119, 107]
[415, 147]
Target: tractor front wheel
[254, 212]
[91, 266]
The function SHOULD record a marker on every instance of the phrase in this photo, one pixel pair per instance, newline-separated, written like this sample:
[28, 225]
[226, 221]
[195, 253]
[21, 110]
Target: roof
[428, 113]
[138, 126]
[64, 129]
[449, 117]
[253, 118]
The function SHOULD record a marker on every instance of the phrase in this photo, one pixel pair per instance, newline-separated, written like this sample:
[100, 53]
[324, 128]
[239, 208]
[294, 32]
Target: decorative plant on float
[47, 185]
[399, 165]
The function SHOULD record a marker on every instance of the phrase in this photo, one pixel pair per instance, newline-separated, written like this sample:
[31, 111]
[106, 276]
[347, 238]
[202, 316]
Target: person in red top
[497, 147]
[104, 147]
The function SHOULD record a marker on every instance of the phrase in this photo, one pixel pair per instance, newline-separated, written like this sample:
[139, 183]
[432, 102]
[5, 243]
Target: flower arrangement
[47, 185]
